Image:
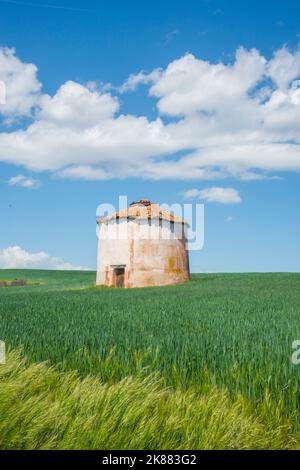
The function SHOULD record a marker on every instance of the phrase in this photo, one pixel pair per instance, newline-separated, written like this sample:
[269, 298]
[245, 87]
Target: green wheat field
[204, 365]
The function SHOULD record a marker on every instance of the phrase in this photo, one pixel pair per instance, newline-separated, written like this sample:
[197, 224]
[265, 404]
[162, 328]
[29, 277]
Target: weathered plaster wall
[153, 254]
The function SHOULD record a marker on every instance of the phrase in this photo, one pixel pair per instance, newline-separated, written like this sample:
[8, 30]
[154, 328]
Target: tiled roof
[143, 209]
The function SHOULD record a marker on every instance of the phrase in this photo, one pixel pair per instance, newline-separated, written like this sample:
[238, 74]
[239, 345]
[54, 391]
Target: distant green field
[232, 330]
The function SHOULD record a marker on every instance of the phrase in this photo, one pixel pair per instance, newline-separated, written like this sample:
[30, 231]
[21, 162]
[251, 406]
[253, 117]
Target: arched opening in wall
[119, 276]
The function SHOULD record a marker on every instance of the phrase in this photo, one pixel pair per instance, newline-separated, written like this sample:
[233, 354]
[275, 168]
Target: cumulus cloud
[2, 93]
[240, 119]
[215, 194]
[121, 145]
[141, 78]
[191, 193]
[76, 106]
[15, 257]
[22, 87]
[190, 85]
[284, 67]
[24, 182]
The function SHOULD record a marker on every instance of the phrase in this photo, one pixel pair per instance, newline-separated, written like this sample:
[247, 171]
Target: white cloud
[24, 182]
[15, 257]
[141, 78]
[215, 194]
[223, 119]
[252, 176]
[191, 194]
[76, 106]
[190, 85]
[83, 173]
[228, 220]
[122, 145]
[2, 93]
[22, 85]
[284, 67]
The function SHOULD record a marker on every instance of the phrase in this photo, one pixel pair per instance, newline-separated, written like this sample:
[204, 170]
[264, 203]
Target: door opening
[119, 277]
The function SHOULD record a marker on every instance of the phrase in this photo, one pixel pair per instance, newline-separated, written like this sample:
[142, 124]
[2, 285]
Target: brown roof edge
[172, 218]
[143, 211]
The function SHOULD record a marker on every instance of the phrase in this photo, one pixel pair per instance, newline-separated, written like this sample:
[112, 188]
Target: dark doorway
[119, 277]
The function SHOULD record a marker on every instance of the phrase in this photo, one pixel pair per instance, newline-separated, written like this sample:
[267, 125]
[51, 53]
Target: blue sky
[98, 45]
